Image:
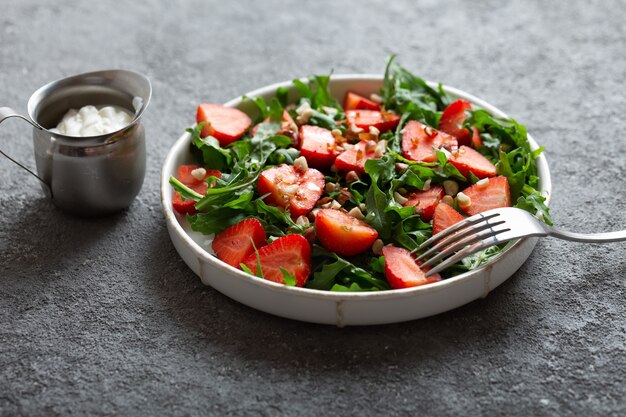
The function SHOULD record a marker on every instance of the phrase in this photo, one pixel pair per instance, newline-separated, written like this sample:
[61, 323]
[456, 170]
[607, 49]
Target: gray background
[101, 317]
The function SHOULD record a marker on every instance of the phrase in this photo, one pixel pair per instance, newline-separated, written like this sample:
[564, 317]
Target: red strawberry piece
[198, 185]
[364, 119]
[287, 187]
[343, 234]
[402, 271]
[291, 252]
[425, 201]
[354, 159]
[354, 101]
[494, 194]
[476, 139]
[452, 120]
[288, 128]
[238, 241]
[466, 159]
[226, 124]
[444, 217]
[317, 146]
[418, 141]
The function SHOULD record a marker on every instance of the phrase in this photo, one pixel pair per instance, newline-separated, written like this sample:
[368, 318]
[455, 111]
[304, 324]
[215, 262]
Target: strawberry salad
[335, 196]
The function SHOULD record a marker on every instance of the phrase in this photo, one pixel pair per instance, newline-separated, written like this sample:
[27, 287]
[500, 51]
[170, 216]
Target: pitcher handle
[7, 113]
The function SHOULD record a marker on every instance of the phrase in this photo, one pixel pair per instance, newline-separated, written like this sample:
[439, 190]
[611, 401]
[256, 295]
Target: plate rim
[202, 255]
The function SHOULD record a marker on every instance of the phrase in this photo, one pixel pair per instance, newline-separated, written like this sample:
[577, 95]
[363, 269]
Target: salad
[334, 196]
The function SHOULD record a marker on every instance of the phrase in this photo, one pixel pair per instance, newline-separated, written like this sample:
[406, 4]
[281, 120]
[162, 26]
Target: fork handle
[588, 237]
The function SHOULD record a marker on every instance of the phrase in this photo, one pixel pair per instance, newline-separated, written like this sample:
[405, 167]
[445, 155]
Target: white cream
[91, 121]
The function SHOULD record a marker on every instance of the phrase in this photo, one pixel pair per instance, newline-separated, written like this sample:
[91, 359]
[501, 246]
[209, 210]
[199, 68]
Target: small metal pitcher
[91, 175]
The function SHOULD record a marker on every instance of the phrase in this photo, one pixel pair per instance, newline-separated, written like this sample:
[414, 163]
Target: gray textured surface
[101, 316]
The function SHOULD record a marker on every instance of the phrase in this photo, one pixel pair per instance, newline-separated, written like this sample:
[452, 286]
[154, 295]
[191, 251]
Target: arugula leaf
[185, 192]
[214, 222]
[212, 154]
[288, 279]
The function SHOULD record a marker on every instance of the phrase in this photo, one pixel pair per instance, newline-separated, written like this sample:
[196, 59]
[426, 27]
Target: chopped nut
[335, 205]
[463, 200]
[300, 163]
[426, 186]
[352, 176]
[370, 145]
[399, 199]
[356, 129]
[326, 205]
[374, 131]
[376, 98]
[447, 199]
[401, 166]
[309, 234]
[291, 189]
[363, 207]
[198, 173]
[330, 187]
[344, 196]
[302, 221]
[336, 132]
[451, 187]
[377, 247]
[482, 184]
[356, 213]
[331, 111]
[380, 149]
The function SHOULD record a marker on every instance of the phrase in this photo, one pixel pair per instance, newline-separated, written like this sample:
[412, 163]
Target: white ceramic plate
[338, 308]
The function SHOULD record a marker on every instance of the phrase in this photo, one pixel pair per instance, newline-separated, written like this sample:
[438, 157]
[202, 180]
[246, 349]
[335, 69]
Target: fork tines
[460, 240]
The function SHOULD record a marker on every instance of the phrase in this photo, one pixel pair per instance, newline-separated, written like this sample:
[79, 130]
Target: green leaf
[185, 192]
[288, 279]
[213, 155]
[325, 278]
[214, 222]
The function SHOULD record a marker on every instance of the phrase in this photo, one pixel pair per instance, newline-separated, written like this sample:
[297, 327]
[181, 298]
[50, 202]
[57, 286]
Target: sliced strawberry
[343, 234]
[291, 252]
[425, 201]
[354, 101]
[444, 217]
[402, 271]
[467, 159]
[354, 159]
[364, 119]
[452, 120]
[226, 124]
[418, 141]
[476, 139]
[483, 197]
[290, 188]
[198, 185]
[317, 146]
[238, 241]
[288, 128]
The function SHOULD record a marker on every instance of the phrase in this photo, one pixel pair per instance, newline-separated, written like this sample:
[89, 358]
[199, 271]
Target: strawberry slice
[444, 217]
[467, 159]
[354, 101]
[354, 159]
[494, 194]
[317, 146]
[198, 185]
[402, 271]
[364, 119]
[288, 128]
[238, 241]
[476, 139]
[226, 124]
[425, 202]
[418, 141]
[290, 188]
[452, 120]
[291, 252]
[343, 234]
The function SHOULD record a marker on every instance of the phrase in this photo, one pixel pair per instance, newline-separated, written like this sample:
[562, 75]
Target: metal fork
[492, 228]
